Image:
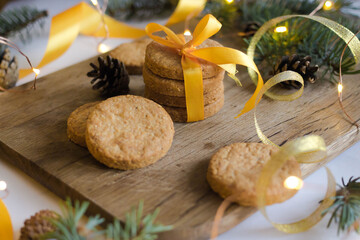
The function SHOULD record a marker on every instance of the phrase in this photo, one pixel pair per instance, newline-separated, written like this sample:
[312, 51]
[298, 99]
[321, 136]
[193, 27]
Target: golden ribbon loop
[344, 33]
[6, 231]
[306, 149]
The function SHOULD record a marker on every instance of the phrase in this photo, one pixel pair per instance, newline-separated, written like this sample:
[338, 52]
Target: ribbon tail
[64, 29]
[193, 89]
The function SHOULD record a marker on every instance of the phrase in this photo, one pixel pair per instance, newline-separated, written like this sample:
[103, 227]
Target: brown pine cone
[38, 225]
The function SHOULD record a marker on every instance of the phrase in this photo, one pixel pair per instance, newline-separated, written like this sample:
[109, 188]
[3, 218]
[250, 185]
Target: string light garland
[328, 5]
[280, 29]
[102, 47]
[13, 45]
[293, 182]
[3, 190]
[340, 85]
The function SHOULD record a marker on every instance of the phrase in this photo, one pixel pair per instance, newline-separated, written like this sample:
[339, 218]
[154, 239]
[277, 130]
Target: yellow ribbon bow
[224, 57]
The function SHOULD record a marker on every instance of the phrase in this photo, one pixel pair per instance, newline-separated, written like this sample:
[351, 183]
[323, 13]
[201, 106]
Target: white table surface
[27, 196]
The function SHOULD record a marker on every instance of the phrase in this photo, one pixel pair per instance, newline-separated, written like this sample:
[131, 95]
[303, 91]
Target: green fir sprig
[140, 9]
[304, 37]
[68, 225]
[71, 225]
[136, 226]
[345, 211]
[15, 21]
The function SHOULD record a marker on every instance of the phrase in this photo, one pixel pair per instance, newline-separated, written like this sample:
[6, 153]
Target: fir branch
[70, 225]
[140, 9]
[345, 211]
[136, 226]
[304, 37]
[14, 20]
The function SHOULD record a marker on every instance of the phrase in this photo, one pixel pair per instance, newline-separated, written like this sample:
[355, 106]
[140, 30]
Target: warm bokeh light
[293, 182]
[95, 2]
[187, 33]
[280, 29]
[229, 1]
[340, 87]
[328, 5]
[103, 48]
[36, 71]
[3, 185]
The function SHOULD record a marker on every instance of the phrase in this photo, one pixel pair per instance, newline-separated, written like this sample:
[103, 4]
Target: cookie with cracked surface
[166, 62]
[132, 54]
[234, 170]
[128, 132]
[76, 123]
[176, 88]
[180, 114]
[173, 101]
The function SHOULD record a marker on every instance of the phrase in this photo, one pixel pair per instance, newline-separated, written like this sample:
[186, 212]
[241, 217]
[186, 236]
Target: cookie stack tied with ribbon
[164, 81]
[181, 73]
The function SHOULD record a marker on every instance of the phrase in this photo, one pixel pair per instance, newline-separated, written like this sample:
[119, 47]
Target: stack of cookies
[164, 81]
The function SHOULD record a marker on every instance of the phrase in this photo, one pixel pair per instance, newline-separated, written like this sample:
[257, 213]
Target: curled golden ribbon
[308, 149]
[337, 28]
[6, 231]
[84, 19]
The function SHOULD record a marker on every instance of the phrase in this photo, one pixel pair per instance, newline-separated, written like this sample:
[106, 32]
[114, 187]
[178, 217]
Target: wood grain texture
[33, 137]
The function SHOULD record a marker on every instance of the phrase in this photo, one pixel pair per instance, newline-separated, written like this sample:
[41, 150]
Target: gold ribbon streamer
[6, 230]
[302, 146]
[82, 18]
[337, 28]
[308, 149]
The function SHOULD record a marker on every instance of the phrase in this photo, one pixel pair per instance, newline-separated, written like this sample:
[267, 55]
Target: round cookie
[176, 88]
[180, 114]
[132, 54]
[235, 169]
[76, 123]
[166, 62]
[128, 132]
[172, 101]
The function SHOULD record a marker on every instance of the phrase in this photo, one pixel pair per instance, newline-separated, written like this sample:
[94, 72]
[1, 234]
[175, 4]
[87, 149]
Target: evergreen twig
[70, 225]
[15, 20]
[304, 37]
[345, 211]
[140, 9]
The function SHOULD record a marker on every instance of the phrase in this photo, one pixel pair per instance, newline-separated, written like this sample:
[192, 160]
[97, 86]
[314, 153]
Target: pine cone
[38, 225]
[111, 77]
[299, 65]
[9, 73]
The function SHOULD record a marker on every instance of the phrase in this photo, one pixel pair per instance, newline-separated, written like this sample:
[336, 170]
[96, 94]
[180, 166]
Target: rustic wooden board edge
[199, 232]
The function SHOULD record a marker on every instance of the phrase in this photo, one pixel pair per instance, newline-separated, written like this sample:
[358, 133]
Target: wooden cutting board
[33, 138]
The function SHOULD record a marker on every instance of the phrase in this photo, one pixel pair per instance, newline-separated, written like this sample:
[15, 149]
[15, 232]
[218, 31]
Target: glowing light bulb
[229, 1]
[328, 5]
[3, 185]
[293, 182]
[187, 33]
[280, 29]
[103, 48]
[340, 87]
[95, 2]
[36, 71]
